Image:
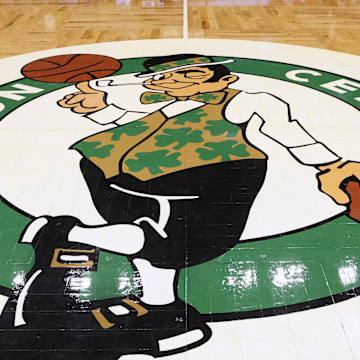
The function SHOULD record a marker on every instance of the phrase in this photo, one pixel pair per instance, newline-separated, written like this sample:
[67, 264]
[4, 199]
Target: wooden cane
[352, 187]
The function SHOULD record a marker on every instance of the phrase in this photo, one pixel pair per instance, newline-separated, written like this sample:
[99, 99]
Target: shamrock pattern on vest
[155, 145]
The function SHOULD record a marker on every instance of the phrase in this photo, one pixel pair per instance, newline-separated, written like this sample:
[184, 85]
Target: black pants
[198, 230]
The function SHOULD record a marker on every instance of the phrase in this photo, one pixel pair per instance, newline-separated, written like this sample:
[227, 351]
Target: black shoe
[156, 330]
[115, 327]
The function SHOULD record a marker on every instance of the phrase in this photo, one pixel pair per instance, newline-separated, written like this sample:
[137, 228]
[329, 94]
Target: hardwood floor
[328, 24]
[30, 25]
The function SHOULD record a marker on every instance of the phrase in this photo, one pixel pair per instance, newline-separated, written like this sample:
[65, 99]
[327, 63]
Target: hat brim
[148, 74]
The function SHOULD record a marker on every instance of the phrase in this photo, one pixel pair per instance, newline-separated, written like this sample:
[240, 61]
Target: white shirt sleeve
[279, 126]
[113, 113]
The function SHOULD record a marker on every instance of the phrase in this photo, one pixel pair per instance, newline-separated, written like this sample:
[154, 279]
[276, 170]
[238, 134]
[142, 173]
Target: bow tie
[151, 97]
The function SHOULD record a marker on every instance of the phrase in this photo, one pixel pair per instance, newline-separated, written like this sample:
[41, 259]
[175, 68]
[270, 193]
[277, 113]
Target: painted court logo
[144, 198]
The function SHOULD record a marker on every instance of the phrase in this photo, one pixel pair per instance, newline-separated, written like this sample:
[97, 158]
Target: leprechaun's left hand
[332, 175]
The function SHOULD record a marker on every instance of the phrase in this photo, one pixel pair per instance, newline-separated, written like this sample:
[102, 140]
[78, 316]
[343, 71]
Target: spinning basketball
[71, 68]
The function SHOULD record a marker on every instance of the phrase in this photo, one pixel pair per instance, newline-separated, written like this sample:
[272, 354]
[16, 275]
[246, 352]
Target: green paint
[184, 62]
[114, 278]
[161, 67]
[130, 66]
[156, 97]
[206, 97]
[191, 117]
[280, 271]
[223, 149]
[93, 149]
[15, 259]
[219, 127]
[132, 129]
[177, 63]
[181, 136]
[153, 161]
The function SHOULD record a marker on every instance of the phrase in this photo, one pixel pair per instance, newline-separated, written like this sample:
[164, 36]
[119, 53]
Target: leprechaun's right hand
[86, 101]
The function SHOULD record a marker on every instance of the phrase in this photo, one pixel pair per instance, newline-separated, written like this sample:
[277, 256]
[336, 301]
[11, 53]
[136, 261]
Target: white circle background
[41, 176]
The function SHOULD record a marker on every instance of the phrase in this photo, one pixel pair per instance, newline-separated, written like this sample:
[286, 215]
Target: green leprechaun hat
[163, 64]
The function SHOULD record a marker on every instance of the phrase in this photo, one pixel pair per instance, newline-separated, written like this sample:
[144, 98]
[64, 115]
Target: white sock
[157, 283]
[125, 239]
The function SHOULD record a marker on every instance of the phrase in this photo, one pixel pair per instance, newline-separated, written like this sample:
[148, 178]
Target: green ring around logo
[319, 265]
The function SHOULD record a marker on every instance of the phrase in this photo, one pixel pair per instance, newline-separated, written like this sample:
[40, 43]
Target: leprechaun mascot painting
[175, 187]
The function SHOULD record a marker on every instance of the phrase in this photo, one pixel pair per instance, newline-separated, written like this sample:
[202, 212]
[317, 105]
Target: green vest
[155, 145]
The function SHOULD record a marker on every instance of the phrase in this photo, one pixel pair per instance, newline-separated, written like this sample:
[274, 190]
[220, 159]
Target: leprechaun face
[189, 81]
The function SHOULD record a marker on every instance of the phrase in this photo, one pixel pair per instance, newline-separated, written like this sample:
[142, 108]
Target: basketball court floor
[179, 179]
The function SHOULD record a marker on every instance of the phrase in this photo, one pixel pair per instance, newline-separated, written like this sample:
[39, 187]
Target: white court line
[185, 20]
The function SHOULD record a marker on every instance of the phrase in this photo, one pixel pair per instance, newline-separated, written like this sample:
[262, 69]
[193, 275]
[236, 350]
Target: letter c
[293, 75]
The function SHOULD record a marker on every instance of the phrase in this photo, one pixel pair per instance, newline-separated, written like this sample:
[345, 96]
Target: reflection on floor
[123, 197]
